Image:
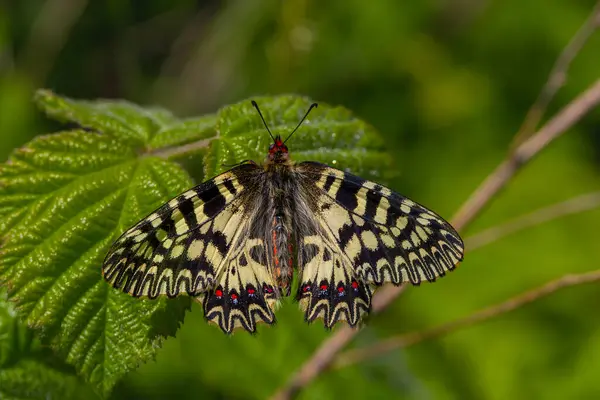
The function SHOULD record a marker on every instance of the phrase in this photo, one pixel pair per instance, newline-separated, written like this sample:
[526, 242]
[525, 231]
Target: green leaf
[79, 191]
[121, 119]
[15, 340]
[26, 370]
[330, 135]
[32, 379]
[64, 198]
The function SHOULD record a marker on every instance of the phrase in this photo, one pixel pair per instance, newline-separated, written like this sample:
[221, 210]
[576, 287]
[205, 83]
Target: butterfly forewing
[195, 244]
[374, 236]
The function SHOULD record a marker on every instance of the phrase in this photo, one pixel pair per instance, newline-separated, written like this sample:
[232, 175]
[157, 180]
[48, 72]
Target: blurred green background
[447, 83]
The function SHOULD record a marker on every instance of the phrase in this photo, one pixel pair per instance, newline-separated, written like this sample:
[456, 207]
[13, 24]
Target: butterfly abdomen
[281, 189]
[282, 255]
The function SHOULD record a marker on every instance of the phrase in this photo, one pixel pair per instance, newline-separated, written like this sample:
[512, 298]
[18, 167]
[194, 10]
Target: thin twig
[496, 181]
[354, 356]
[322, 357]
[558, 75]
[568, 116]
[572, 206]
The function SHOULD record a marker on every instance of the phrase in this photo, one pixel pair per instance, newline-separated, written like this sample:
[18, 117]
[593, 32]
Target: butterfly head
[278, 151]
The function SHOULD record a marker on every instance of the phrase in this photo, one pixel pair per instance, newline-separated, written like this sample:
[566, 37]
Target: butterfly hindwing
[244, 292]
[329, 288]
[379, 235]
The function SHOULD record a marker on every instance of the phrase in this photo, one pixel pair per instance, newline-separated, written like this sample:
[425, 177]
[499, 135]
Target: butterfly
[235, 241]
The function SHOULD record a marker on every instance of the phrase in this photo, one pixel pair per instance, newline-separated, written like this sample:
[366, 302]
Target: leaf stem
[177, 151]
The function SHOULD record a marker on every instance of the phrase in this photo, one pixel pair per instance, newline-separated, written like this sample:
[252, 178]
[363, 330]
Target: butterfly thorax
[281, 188]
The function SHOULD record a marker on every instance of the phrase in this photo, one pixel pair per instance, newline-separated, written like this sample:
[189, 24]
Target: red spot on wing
[233, 296]
[219, 293]
[354, 285]
[323, 287]
[251, 291]
[341, 289]
[268, 289]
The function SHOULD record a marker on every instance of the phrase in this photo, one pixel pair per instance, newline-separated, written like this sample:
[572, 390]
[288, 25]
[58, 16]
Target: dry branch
[354, 356]
[558, 75]
[496, 181]
[572, 206]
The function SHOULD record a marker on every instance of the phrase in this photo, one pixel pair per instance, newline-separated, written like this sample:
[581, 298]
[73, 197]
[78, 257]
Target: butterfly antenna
[313, 105]
[263, 119]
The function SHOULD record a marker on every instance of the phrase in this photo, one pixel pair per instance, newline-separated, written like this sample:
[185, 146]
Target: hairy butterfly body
[234, 241]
